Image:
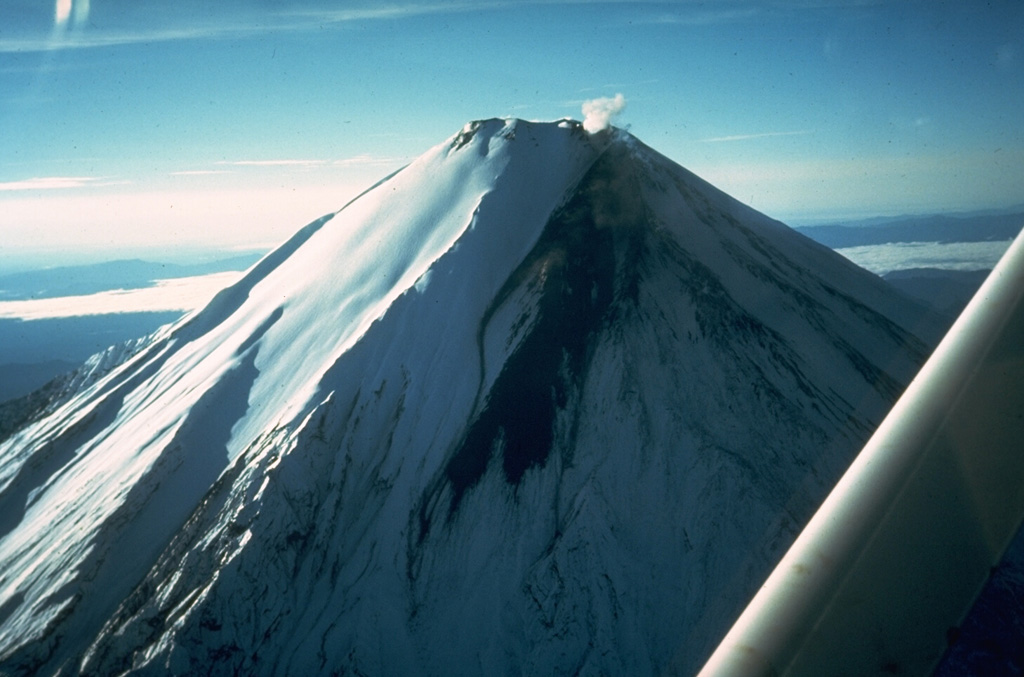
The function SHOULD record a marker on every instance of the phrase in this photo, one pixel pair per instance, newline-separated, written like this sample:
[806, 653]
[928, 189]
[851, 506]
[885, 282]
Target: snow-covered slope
[541, 402]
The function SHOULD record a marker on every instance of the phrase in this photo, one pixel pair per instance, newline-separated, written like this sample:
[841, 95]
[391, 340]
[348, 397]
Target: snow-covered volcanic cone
[542, 402]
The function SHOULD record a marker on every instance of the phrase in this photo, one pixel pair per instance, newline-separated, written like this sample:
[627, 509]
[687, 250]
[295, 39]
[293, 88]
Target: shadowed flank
[578, 260]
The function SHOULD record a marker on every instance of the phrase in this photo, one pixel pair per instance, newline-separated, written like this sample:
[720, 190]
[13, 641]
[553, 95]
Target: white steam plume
[597, 113]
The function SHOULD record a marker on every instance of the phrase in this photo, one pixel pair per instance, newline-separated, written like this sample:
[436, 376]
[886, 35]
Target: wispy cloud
[272, 163]
[93, 39]
[226, 167]
[761, 135]
[362, 160]
[699, 17]
[366, 160]
[398, 11]
[225, 24]
[57, 183]
[200, 172]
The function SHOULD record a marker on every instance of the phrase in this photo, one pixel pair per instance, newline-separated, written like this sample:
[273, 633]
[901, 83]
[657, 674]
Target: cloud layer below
[885, 258]
[182, 294]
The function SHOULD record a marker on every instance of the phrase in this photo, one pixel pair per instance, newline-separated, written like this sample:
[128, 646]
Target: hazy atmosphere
[139, 126]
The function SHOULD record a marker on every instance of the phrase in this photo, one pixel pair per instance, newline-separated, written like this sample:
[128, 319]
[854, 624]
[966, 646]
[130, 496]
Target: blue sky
[129, 124]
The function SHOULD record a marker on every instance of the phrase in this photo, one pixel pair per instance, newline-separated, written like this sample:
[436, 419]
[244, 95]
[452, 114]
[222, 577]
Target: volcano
[541, 402]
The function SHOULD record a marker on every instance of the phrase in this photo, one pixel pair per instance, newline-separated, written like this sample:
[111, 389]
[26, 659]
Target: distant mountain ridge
[98, 277]
[542, 402]
[948, 291]
[928, 228]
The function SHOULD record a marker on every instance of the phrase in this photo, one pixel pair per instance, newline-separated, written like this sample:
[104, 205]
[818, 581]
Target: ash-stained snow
[542, 401]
